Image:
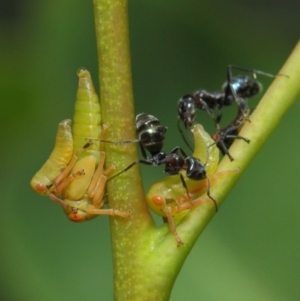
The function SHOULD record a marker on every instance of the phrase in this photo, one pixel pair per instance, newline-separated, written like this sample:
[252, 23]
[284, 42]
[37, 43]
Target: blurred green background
[251, 249]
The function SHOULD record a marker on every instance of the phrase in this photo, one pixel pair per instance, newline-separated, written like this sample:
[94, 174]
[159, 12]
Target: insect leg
[129, 166]
[182, 135]
[96, 188]
[204, 106]
[253, 71]
[113, 212]
[99, 171]
[178, 148]
[184, 185]
[209, 195]
[66, 181]
[59, 181]
[238, 137]
[172, 225]
[223, 147]
[59, 201]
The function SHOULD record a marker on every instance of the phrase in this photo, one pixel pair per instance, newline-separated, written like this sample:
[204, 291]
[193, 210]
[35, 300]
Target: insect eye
[158, 200]
[76, 216]
[214, 137]
[40, 187]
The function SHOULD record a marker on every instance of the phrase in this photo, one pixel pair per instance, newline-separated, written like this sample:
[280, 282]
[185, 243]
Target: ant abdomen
[244, 86]
[151, 133]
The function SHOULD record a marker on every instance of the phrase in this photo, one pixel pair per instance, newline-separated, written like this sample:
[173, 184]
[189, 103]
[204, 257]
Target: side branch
[275, 103]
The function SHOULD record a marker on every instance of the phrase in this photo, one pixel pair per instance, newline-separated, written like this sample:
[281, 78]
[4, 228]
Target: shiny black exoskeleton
[174, 164]
[244, 86]
[239, 86]
[225, 137]
[151, 136]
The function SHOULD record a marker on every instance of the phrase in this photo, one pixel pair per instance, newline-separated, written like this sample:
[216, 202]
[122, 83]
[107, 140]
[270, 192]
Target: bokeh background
[251, 249]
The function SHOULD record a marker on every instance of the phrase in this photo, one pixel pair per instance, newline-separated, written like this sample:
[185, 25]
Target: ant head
[195, 169]
[187, 110]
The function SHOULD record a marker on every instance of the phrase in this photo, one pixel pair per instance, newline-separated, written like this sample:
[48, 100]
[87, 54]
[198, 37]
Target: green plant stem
[147, 259]
[277, 100]
[125, 191]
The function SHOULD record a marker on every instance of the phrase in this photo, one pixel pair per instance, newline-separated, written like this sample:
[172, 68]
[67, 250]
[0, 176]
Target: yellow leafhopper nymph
[44, 181]
[78, 177]
[87, 117]
[85, 195]
[168, 197]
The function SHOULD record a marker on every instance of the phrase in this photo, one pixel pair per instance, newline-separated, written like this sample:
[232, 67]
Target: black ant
[174, 164]
[225, 137]
[151, 134]
[233, 89]
[150, 137]
[243, 86]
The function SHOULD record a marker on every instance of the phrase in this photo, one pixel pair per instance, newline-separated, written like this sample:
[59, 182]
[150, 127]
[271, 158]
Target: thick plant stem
[147, 259]
[125, 191]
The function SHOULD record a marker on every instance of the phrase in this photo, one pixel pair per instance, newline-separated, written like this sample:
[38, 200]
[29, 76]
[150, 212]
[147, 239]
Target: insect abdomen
[202, 142]
[87, 116]
[59, 158]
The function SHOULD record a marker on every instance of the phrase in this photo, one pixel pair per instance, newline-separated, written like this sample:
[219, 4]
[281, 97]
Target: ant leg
[238, 137]
[184, 185]
[203, 106]
[178, 148]
[221, 145]
[129, 166]
[209, 195]
[182, 135]
[253, 71]
[211, 114]
[235, 96]
[207, 153]
[143, 150]
[243, 107]
[119, 142]
[219, 117]
[129, 141]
